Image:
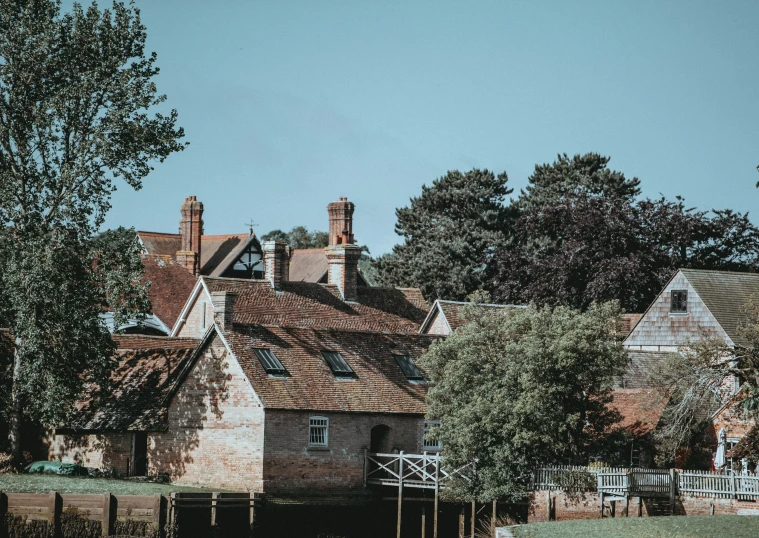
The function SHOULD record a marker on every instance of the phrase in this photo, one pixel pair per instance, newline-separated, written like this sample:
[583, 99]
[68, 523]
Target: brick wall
[101, 451]
[215, 434]
[290, 466]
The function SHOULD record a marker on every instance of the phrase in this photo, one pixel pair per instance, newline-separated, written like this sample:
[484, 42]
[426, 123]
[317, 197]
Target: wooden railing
[412, 470]
[656, 482]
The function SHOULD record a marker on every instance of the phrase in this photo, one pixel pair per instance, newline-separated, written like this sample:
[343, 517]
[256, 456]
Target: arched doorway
[380, 439]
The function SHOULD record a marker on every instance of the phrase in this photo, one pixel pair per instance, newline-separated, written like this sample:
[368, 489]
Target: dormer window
[408, 368]
[678, 302]
[270, 362]
[337, 364]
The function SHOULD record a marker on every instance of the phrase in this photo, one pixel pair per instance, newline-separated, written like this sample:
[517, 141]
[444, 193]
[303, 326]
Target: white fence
[656, 482]
[412, 470]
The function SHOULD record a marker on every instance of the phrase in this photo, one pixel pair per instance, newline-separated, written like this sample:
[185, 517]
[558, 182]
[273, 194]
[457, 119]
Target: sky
[289, 105]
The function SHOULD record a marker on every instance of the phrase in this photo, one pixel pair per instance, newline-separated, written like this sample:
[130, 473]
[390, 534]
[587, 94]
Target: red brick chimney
[341, 222]
[191, 230]
[276, 262]
[342, 254]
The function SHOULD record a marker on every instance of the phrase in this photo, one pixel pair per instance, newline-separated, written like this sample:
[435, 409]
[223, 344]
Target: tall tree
[524, 388]
[299, 237]
[446, 232]
[76, 114]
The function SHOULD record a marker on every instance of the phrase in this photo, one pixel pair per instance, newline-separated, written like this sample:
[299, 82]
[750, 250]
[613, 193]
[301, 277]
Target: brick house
[694, 304]
[266, 384]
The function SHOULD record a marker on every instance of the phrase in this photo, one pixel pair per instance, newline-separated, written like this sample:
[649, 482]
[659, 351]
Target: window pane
[317, 431]
[269, 361]
[429, 425]
[679, 301]
[337, 363]
[408, 367]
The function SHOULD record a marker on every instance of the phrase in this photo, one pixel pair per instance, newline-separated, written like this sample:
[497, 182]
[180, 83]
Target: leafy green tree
[76, 115]
[524, 388]
[446, 232]
[589, 172]
[299, 237]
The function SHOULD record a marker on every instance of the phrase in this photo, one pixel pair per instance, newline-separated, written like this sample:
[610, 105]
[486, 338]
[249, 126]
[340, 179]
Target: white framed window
[428, 444]
[318, 431]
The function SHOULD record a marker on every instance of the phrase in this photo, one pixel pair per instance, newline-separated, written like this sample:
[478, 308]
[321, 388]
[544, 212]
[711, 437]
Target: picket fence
[655, 482]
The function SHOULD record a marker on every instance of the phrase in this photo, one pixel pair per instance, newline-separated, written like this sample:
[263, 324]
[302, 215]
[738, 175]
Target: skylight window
[337, 364]
[270, 362]
[408, 367]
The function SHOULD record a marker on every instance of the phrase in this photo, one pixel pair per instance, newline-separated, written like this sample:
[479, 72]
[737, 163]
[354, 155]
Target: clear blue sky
[289, 105]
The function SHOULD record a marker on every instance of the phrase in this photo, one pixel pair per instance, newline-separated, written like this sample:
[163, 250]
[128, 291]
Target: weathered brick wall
[702, 506]
[194, 326]
[101, 451]
[216, 433]
[290, 466]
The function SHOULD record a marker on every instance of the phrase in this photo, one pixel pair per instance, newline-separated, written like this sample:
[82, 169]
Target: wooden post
[672, 489]
[424, 519]
[3, 512]
[214, 496]
[252, 510]
[173, 516]
[601, 498]
[366, 466]
[55, 510]
[494, 517]
[548, 505]
[158, 513]
[473, 519]
[107, 522]
[437, 495]
[400, 491]
[711, 509]
[733, 489]
[627, 505]
[461, 522]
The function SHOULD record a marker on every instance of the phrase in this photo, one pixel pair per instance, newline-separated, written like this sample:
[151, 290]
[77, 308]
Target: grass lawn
[36, 483]
[652, 527]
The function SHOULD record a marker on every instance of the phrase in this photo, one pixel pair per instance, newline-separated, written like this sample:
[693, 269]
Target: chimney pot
[191, 232]
[341, 221]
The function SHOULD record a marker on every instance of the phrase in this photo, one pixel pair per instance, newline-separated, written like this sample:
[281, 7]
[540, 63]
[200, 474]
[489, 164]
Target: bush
[576, 483]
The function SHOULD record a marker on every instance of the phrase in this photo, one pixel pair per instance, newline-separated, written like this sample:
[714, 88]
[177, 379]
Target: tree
[589, 172]
[524, 388]
[446, 232]
[76, 102]
[299, 237]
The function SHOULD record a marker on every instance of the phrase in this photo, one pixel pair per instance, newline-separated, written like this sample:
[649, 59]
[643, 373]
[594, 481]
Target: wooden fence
[655, 482]
[156, 510]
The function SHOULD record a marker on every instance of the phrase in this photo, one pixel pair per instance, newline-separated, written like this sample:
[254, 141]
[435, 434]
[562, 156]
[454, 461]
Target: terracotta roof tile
[147, 368]
[640, 363]
[641, 410]
[310, 305]
[308, 264]
[170, 285]
[379, 385]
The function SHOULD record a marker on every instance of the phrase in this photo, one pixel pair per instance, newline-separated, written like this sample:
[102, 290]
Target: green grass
[650, 527]
[36, 483]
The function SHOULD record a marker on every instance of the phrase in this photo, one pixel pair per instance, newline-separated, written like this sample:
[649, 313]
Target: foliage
[446, 232]
[576, 482]
[299, 237]
[699, 379]
[76, 101]
[582, 237]
[748, 446]
[526, 388]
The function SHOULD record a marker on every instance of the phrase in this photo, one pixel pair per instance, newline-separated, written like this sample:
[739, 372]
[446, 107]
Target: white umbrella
[719, 459]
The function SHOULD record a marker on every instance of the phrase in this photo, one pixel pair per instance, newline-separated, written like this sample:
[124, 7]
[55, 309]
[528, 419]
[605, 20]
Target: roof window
[678, 302]
[408, 367]
[270, 362]
[337, 364]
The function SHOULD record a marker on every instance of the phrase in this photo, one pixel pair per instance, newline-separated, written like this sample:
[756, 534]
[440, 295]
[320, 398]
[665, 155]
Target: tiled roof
[170, 286]
[308, 264]
[453, 311]
[640, 363]
[309, 305]
[213, 248]
[379, 385]
[725, 293]
[641, 410]
[147, 368]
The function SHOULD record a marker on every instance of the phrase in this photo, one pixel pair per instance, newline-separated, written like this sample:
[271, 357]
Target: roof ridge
[158, 233]
[720, 271]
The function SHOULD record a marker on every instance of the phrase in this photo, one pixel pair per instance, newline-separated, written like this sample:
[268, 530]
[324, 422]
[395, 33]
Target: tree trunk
[14, 426]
